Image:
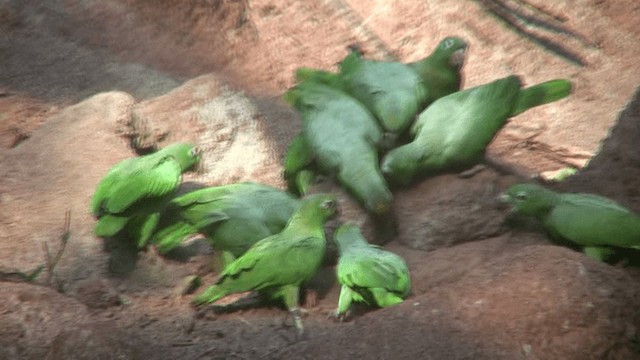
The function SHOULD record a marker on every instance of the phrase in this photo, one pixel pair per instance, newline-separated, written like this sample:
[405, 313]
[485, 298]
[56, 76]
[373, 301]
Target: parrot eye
[521, 196]
[447, 43]
[328, 204]
[196, 151]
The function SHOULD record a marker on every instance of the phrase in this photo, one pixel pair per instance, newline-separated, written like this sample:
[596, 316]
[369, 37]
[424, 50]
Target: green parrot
[368, 273]
[594, 222]
[339, 136]
[233, 217]
[279, 264]
[395, 92]
[135, 190]
[454, 131]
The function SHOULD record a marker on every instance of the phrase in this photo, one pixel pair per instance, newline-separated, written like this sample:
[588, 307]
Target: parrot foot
[337, 317]
[297, 314]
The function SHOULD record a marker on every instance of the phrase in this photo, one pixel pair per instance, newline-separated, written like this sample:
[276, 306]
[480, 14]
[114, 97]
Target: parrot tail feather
[212, 294]
[172, 236]
[540, 94]
[109, 225]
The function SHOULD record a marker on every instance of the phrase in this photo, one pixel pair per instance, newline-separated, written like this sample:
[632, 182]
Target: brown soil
[492, 293]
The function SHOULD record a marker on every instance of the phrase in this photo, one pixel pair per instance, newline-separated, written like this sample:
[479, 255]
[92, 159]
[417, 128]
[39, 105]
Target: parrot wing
[147, 181]
[342, 134]
[106, 185]
[591, 220]
[392, 91]
[274, 262]
[374, 268]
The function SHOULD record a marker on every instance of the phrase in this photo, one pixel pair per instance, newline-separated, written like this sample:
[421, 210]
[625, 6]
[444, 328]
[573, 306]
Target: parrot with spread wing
[368, 273]
[596, 223]
[339, 136]
[279, 264]
[454, 131]
[233, 217]
[133, 193]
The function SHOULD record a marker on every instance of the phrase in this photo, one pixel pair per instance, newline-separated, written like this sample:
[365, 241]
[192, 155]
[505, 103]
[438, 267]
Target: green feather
[141, 227]
[110, 225]
[171, 236]
[541, 94]
[299, 157]
[233, 217]
[159, 180]
[284, 260]
[318, 76]
[368, 273]
[587, 220]
[342, 134]
[395, 92]
[453, 133]
[135, 190]
[441, 69]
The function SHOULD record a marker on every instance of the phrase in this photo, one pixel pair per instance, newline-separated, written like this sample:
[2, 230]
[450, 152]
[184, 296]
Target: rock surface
[481, 290]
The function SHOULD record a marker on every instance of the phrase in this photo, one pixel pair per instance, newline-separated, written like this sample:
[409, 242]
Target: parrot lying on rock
[279, 264]
[594, 222]
[233, 217]
[395, 92]
[454, 131]
[368, 273]
[133, 193]
[339, 136]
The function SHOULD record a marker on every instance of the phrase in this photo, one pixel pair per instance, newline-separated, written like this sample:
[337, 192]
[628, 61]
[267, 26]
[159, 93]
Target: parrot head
[454, 49]
[324, 206]
[187, 155]
[529, 199]
[400, 165]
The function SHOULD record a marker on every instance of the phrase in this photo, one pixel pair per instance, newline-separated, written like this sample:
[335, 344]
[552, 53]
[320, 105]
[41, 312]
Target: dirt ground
[481, 290]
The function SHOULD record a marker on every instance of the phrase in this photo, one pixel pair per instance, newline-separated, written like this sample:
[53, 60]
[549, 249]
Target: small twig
[51, 262]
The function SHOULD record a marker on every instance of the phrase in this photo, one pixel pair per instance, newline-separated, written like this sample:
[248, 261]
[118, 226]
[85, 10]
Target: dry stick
[52, 262]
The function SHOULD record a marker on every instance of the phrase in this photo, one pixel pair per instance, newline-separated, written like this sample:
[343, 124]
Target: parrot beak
[458, 57]
[504, 198]
[382, 208]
